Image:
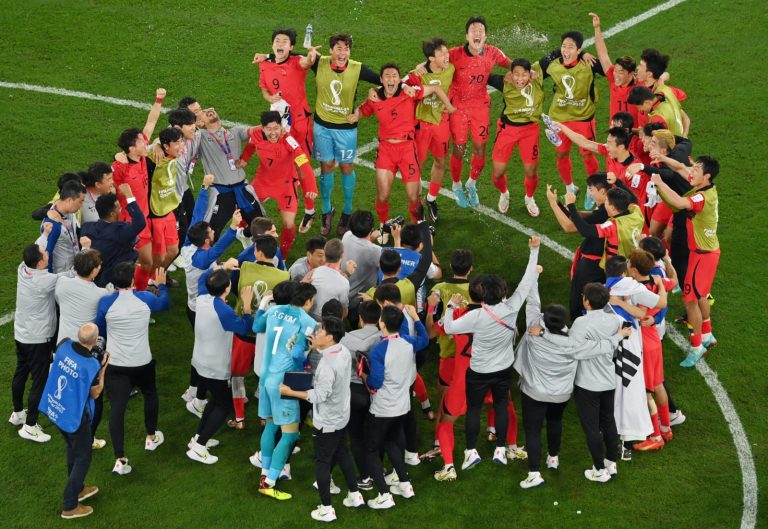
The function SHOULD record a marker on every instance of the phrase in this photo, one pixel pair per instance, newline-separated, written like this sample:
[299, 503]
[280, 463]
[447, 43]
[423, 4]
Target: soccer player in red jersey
[282, 77]
[621, 75]
[474, 62]
[395, 110]
[133, 142]
[651, 72]
[279, 156]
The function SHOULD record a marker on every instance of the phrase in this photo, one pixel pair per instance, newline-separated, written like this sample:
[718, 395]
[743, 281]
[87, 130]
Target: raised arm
[515, 301]
[154, 113]
[577, 138]
[600, 47]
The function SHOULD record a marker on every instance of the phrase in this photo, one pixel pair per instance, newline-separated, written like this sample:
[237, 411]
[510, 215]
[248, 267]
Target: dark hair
[127, 139]
[96, 173]
[555, 319]
[361, 223]
[181, 116]
[290, 33]
[267, 245]
[430, 46]
[639, 95]
[476, 289]
[332, 308]
[86, 262]
[334, 249]
[283, 292]
[620, 135]
[494, 289]
[168, 136]
[616, 266]
[387, 66]
[642, 261]
[598, 180]
[270, 116]
[654, 246]
[344, 38]
[410, 236]
[334, 327]
[261, 225]
[106, 204]
[525, 64]
[303, 293]
[388, 292]
[709, 166]
[655, 62]
[392, 317]
[122, 274]
[649, 127]
[475, 20]
[576, 36]
[185, 102]
[389, 262]
[461, 261]
[316, 243]
[619, 199]
[597, 295]
[68, 177]
[32, 255]
[71, 190]
[626, 62]
[625, 118]
[217, 282]
[198, 233]
[369, 311]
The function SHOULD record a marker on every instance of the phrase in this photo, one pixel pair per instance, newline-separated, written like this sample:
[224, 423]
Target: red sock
[420, 388]
[239, 405]
[512, 426]
[309, 204]
[706, 326]
[140, 278]
[591, 165]
[696, 339]
[565, 168]
[530, 185]
[445, 436]
[655, 422]
[500, 183]
[456, 166]
[491, 417]
[476, 165]
[664, 415]
[434, 188]
[413, 208]
[382, 210]
[287, 236]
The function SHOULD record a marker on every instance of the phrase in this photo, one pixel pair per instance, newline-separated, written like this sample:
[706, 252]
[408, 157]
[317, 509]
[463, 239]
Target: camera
[397, 221]
[98, 353]
[626, 324]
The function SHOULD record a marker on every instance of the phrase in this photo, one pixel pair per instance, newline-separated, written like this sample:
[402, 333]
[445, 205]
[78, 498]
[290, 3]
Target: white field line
[741, 442]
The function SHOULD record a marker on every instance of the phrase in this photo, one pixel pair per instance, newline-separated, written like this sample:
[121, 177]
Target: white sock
[457, 185]
[199, 403]
[513, 447]
[571, 188]
[309, 211]
[471, 182]
[425, 404]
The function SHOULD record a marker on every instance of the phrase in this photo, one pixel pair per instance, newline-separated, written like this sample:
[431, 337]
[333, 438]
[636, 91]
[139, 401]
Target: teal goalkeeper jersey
[287, 328]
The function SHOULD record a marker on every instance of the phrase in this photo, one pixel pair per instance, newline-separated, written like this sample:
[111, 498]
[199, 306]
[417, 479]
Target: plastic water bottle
[308, 36]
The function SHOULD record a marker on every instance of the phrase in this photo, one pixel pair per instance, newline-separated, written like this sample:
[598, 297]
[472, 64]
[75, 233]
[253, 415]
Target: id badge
[636, 180]
[232, 164]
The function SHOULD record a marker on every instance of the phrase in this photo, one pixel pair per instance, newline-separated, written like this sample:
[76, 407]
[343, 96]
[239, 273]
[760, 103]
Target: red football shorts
[472, 119]
[281, 190]
[455, 397]
[445, 372]
[243, 352]
[164, 233]
[402, 156]
[700, 275]
[585, 128]
[432, 138]
[301, 130]
[662, 214]
[525, 137]
[653, 360]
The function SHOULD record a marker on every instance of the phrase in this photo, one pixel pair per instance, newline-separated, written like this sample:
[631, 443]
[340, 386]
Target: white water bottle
[308, 37]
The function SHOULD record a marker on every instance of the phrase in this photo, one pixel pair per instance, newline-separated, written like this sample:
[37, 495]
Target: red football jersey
[619, 95]
[278, 161]
[288, 78]
[470, 79]
[636, 183]
[396, 114]
[135, 175]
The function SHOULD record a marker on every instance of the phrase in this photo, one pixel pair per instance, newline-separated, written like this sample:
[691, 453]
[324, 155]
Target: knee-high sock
[348, 187]
[280, 456]
[413, 209]
[445, 436]
[326, 190]
[664, 416]
[491, 416]
[268, 444]
[655, 422]
[382, 210]
[591, 164]
[476, 165]
[565, 168]
[420, 388]
[287, 236]
[456, 166]
[500, 183]
[239, 404]
[706, 326]
[434, 189]
[531, 184]
[140, 278]
[512, 424]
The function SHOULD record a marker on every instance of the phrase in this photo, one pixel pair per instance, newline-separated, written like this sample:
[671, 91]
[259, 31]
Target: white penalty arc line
[741, 442]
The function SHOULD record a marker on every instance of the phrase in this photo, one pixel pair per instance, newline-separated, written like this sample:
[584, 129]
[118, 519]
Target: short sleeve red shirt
[470, 80]
[396, 114]
[135, 175]
[288, 78]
